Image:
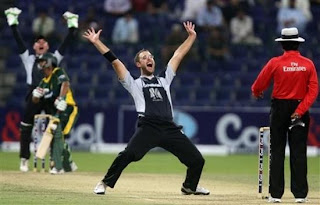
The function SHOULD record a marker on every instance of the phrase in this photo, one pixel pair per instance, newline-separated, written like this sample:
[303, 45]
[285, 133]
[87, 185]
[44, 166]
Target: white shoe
[24, 165]
[301, 200]
[100, 188]
[72, 19]
[199, 191]
[74, 167]
[274, 200]
[55, 171]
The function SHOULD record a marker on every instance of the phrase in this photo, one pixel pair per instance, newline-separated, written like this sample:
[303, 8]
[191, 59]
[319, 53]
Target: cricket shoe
[54, 171]
[274, 200]
[24, 165]
[301, 200]
[100, 188]
[198, 191]
[73, 166]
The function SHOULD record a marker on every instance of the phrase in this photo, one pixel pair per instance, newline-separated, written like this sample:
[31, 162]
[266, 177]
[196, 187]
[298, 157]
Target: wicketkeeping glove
[72, 19]
[12, 15]
[60, 104]
[38, 92]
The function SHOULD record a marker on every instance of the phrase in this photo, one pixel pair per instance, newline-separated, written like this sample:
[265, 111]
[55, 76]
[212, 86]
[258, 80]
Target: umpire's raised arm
[183, 49]
[94, 38]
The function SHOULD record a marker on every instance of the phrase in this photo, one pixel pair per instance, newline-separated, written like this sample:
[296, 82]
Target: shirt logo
[155, 94]
[294, 67]
[62, 78]
[48, 95]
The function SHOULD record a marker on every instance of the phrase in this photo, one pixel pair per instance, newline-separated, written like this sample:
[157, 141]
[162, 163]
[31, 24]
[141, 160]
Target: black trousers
[281, 111]
[26, 126]
[152, 133]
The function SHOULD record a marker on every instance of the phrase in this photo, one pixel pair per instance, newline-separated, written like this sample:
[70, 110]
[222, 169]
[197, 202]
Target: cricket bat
[47, 138]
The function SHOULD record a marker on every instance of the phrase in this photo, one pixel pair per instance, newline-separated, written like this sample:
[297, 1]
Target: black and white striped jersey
[151, 95]
[33, 73]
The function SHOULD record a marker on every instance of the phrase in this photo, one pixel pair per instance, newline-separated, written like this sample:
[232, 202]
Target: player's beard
[147, 70]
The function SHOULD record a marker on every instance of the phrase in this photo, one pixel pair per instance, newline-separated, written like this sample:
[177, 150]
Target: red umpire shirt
[295, 88]
[294, 78]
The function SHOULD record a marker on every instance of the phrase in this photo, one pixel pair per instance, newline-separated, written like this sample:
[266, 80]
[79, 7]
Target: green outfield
[156, 179]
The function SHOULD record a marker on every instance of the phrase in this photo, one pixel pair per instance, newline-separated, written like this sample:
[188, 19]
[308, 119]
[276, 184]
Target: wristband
[61, 98]
[110, 56]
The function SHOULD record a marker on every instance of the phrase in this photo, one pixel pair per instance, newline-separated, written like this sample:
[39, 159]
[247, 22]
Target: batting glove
[60, 104]
[38, 92]
[72, 19]
[12, 15]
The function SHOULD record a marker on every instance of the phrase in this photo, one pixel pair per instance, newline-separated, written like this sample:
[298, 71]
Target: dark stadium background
[198, 82]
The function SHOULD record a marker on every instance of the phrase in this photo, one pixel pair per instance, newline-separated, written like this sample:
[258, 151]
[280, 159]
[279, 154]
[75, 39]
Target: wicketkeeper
[55, 92]
[34, 74]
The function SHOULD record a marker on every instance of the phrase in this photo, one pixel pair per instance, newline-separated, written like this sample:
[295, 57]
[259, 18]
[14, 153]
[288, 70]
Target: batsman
[55, 93]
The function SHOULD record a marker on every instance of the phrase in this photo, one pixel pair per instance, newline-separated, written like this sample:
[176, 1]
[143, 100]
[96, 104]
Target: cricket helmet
[51, 60]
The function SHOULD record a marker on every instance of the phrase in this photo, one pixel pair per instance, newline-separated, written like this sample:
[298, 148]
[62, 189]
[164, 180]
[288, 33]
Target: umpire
[34, 74]
[295, 88]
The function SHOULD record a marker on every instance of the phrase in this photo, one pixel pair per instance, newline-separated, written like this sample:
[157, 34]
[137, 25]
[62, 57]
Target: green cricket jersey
[53, 83]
